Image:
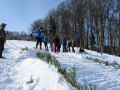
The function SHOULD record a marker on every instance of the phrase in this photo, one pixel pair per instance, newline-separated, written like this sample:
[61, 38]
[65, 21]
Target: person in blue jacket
[46, 42]
[39, 36]
[64, 44]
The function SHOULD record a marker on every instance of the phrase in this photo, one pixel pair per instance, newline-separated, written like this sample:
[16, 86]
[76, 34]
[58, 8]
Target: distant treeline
[17, 36]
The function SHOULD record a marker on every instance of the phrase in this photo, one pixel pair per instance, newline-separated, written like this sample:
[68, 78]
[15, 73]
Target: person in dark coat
[81, 50]
[2, 38]
[57, 44]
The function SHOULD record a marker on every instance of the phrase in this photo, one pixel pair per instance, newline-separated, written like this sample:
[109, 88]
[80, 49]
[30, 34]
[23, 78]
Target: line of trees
[17, 35]
[94, 23]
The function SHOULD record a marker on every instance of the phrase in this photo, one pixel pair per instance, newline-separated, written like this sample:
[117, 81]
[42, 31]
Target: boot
[2, 57]
[1, 54]
[36, 46]
[40, 48]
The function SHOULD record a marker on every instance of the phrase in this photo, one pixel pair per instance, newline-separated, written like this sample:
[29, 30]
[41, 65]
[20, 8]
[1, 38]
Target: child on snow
[46, 42]
[68, 44]
[64, 44]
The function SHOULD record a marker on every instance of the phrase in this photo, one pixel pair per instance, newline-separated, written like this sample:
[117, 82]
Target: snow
[89, 72]
[21, 67]
[22, 70]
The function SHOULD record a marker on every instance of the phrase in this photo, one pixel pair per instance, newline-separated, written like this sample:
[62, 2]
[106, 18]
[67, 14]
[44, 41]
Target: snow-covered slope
[21, 70]
[22, 67]
[89, 72]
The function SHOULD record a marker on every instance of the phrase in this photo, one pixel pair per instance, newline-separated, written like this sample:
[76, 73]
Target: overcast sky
[19, 14]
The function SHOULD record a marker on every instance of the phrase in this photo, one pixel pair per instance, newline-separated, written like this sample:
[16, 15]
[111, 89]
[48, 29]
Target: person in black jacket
[2, 38]
[57, 44]
[81, 50]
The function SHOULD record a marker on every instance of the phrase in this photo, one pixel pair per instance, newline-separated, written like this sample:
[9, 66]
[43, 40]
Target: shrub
[71, 77]
[26, 48]
[114, 64]
[31, 81]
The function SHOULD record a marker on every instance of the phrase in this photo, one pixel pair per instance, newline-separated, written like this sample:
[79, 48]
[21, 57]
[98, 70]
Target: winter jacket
[57, 41]
[68, 43]
[39, 33]
[64, 42]
[45, 39]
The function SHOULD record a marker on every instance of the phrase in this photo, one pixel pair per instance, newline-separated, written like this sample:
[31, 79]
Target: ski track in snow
[89, 72]
[16, 69]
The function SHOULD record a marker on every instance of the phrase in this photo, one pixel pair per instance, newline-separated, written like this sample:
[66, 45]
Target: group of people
[66, 44]
[55, 45]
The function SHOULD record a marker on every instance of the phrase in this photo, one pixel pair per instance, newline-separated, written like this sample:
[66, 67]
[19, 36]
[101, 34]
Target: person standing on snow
[57, 44]
[2, 38]
[46, 42]
[39, 36]
[68, 44]
[73, 45]
[64, 44]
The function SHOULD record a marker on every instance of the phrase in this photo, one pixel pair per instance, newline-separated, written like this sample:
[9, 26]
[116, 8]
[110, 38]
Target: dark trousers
[73, 50]
[69, 48]
[39, 41]
[46, 46]
[57, 47]
[64, 47]
[1, 49]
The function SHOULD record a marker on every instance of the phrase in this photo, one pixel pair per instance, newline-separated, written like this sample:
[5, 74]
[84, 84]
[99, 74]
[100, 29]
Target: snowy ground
[19, 68]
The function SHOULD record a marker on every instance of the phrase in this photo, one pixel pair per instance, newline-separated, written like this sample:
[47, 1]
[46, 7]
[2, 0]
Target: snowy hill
[22, 70]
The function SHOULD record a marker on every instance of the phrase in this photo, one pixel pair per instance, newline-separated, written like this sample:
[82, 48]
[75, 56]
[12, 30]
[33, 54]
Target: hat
[3, 25]
[41, 28]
